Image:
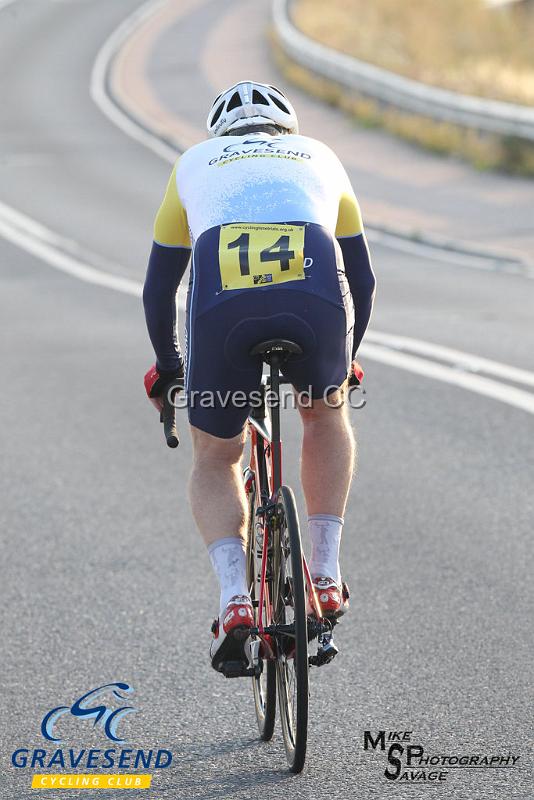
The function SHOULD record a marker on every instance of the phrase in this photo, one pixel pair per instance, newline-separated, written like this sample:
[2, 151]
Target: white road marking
[457, 358]
[439, 372]
[60, 253]
[99, 80]
[436, 252]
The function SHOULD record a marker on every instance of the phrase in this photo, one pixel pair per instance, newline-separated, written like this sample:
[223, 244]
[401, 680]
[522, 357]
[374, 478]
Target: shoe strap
[239, 600]
[325, 583]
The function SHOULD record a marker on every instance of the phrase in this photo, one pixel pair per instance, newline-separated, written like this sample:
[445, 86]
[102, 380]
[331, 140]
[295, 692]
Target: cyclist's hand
[355, 376]
[157, 384]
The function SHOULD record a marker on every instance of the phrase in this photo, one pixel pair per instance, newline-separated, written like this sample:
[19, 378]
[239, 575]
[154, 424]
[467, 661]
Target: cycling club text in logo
[257, 147]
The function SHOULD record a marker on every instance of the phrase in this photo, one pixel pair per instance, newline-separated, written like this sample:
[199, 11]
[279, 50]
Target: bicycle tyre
[292, 670]
[263, 685]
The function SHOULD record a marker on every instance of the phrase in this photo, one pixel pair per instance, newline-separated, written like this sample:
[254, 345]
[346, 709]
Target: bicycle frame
[265, 441]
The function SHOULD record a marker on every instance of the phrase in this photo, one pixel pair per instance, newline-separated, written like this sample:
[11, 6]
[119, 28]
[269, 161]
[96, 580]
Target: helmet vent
[234, 102]
[246, 103]
[279, 103]
[217, 114]
[259, 99]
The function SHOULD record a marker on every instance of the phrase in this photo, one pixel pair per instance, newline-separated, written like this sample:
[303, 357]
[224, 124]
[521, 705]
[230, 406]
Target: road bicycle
[288, 620]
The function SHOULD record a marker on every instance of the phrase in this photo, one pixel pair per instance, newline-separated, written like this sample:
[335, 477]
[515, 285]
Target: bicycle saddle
[282, 347]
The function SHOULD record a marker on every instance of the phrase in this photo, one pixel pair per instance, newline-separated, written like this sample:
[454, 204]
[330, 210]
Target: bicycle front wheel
[290, 610]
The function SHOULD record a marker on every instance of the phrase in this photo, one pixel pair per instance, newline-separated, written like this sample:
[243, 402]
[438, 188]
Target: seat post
[276, 352]
[275, 422]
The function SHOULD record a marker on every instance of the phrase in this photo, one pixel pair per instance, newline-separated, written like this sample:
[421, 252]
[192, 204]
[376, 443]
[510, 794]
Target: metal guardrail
[491, 116]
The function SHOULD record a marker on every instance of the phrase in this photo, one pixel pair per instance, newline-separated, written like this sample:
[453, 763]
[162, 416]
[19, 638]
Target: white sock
[325, 535]
[228, 559]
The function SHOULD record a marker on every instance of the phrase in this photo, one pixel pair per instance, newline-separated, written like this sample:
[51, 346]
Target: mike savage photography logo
[409, 762]
[106, 767]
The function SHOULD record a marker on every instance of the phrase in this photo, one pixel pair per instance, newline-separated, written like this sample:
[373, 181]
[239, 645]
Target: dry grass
[483, 150]
[457, 44]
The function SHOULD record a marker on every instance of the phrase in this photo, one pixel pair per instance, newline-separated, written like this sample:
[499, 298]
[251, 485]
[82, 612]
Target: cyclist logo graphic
[106, 716]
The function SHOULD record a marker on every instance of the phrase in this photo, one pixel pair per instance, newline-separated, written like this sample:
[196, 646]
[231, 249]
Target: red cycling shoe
[230, 637]
[333, 597]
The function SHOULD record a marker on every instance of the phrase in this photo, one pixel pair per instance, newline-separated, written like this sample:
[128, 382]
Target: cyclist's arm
[358, 269]
[166, 266]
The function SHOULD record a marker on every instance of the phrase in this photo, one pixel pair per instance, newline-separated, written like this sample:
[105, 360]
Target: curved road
[104, 577]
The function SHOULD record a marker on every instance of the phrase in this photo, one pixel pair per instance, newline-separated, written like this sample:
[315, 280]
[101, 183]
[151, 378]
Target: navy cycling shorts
[223, 325]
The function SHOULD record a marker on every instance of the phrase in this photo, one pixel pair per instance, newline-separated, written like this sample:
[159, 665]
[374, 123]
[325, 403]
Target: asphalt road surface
[104, 578]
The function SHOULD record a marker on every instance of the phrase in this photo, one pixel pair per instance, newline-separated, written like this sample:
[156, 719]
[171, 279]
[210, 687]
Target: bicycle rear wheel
[290, 609]
[264, 684]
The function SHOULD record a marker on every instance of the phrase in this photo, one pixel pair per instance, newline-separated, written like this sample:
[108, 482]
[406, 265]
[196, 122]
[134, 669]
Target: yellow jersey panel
[171, 228]
[349, 218]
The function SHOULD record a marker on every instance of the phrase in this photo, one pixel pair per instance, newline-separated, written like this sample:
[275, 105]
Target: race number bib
[260, 254]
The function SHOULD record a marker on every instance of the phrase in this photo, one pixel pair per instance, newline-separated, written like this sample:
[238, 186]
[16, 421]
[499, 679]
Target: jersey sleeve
[171, 228]
[356, 258]
[166, 268]
[349, 218]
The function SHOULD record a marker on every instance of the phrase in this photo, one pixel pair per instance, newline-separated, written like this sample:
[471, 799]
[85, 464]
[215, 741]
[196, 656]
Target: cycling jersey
[256, 178]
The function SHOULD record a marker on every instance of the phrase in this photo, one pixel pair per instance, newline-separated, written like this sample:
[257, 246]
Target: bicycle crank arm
[239, 669]
[315, 629]
[275, 630]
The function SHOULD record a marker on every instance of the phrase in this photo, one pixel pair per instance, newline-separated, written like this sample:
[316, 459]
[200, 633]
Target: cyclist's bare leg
[216, 486]
[328, 454]
[219, 507]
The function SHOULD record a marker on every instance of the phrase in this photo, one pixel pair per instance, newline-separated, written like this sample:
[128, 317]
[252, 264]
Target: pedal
[326, 651]
[238, 669]
[325, 654]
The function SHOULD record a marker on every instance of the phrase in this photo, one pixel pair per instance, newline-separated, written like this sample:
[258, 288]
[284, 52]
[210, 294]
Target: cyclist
[278, 251]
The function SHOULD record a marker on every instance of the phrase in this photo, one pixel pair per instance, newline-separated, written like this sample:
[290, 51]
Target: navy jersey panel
[323, 277]
[222, 327]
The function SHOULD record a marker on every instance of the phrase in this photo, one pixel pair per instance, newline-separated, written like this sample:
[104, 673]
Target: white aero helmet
[251, 103]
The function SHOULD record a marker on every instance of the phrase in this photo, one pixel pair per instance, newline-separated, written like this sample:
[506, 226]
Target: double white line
[460, 369]
[480, 375]
[61, 253]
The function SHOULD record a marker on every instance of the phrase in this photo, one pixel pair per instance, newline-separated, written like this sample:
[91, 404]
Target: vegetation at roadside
[388, 32]
[463, 45]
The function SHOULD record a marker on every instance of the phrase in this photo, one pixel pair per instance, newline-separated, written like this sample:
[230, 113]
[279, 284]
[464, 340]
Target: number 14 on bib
[253, 255]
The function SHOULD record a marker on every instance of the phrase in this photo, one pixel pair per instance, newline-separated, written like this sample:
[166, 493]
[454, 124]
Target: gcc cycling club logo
[256, 148]
[108, 718]
[106, 706]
